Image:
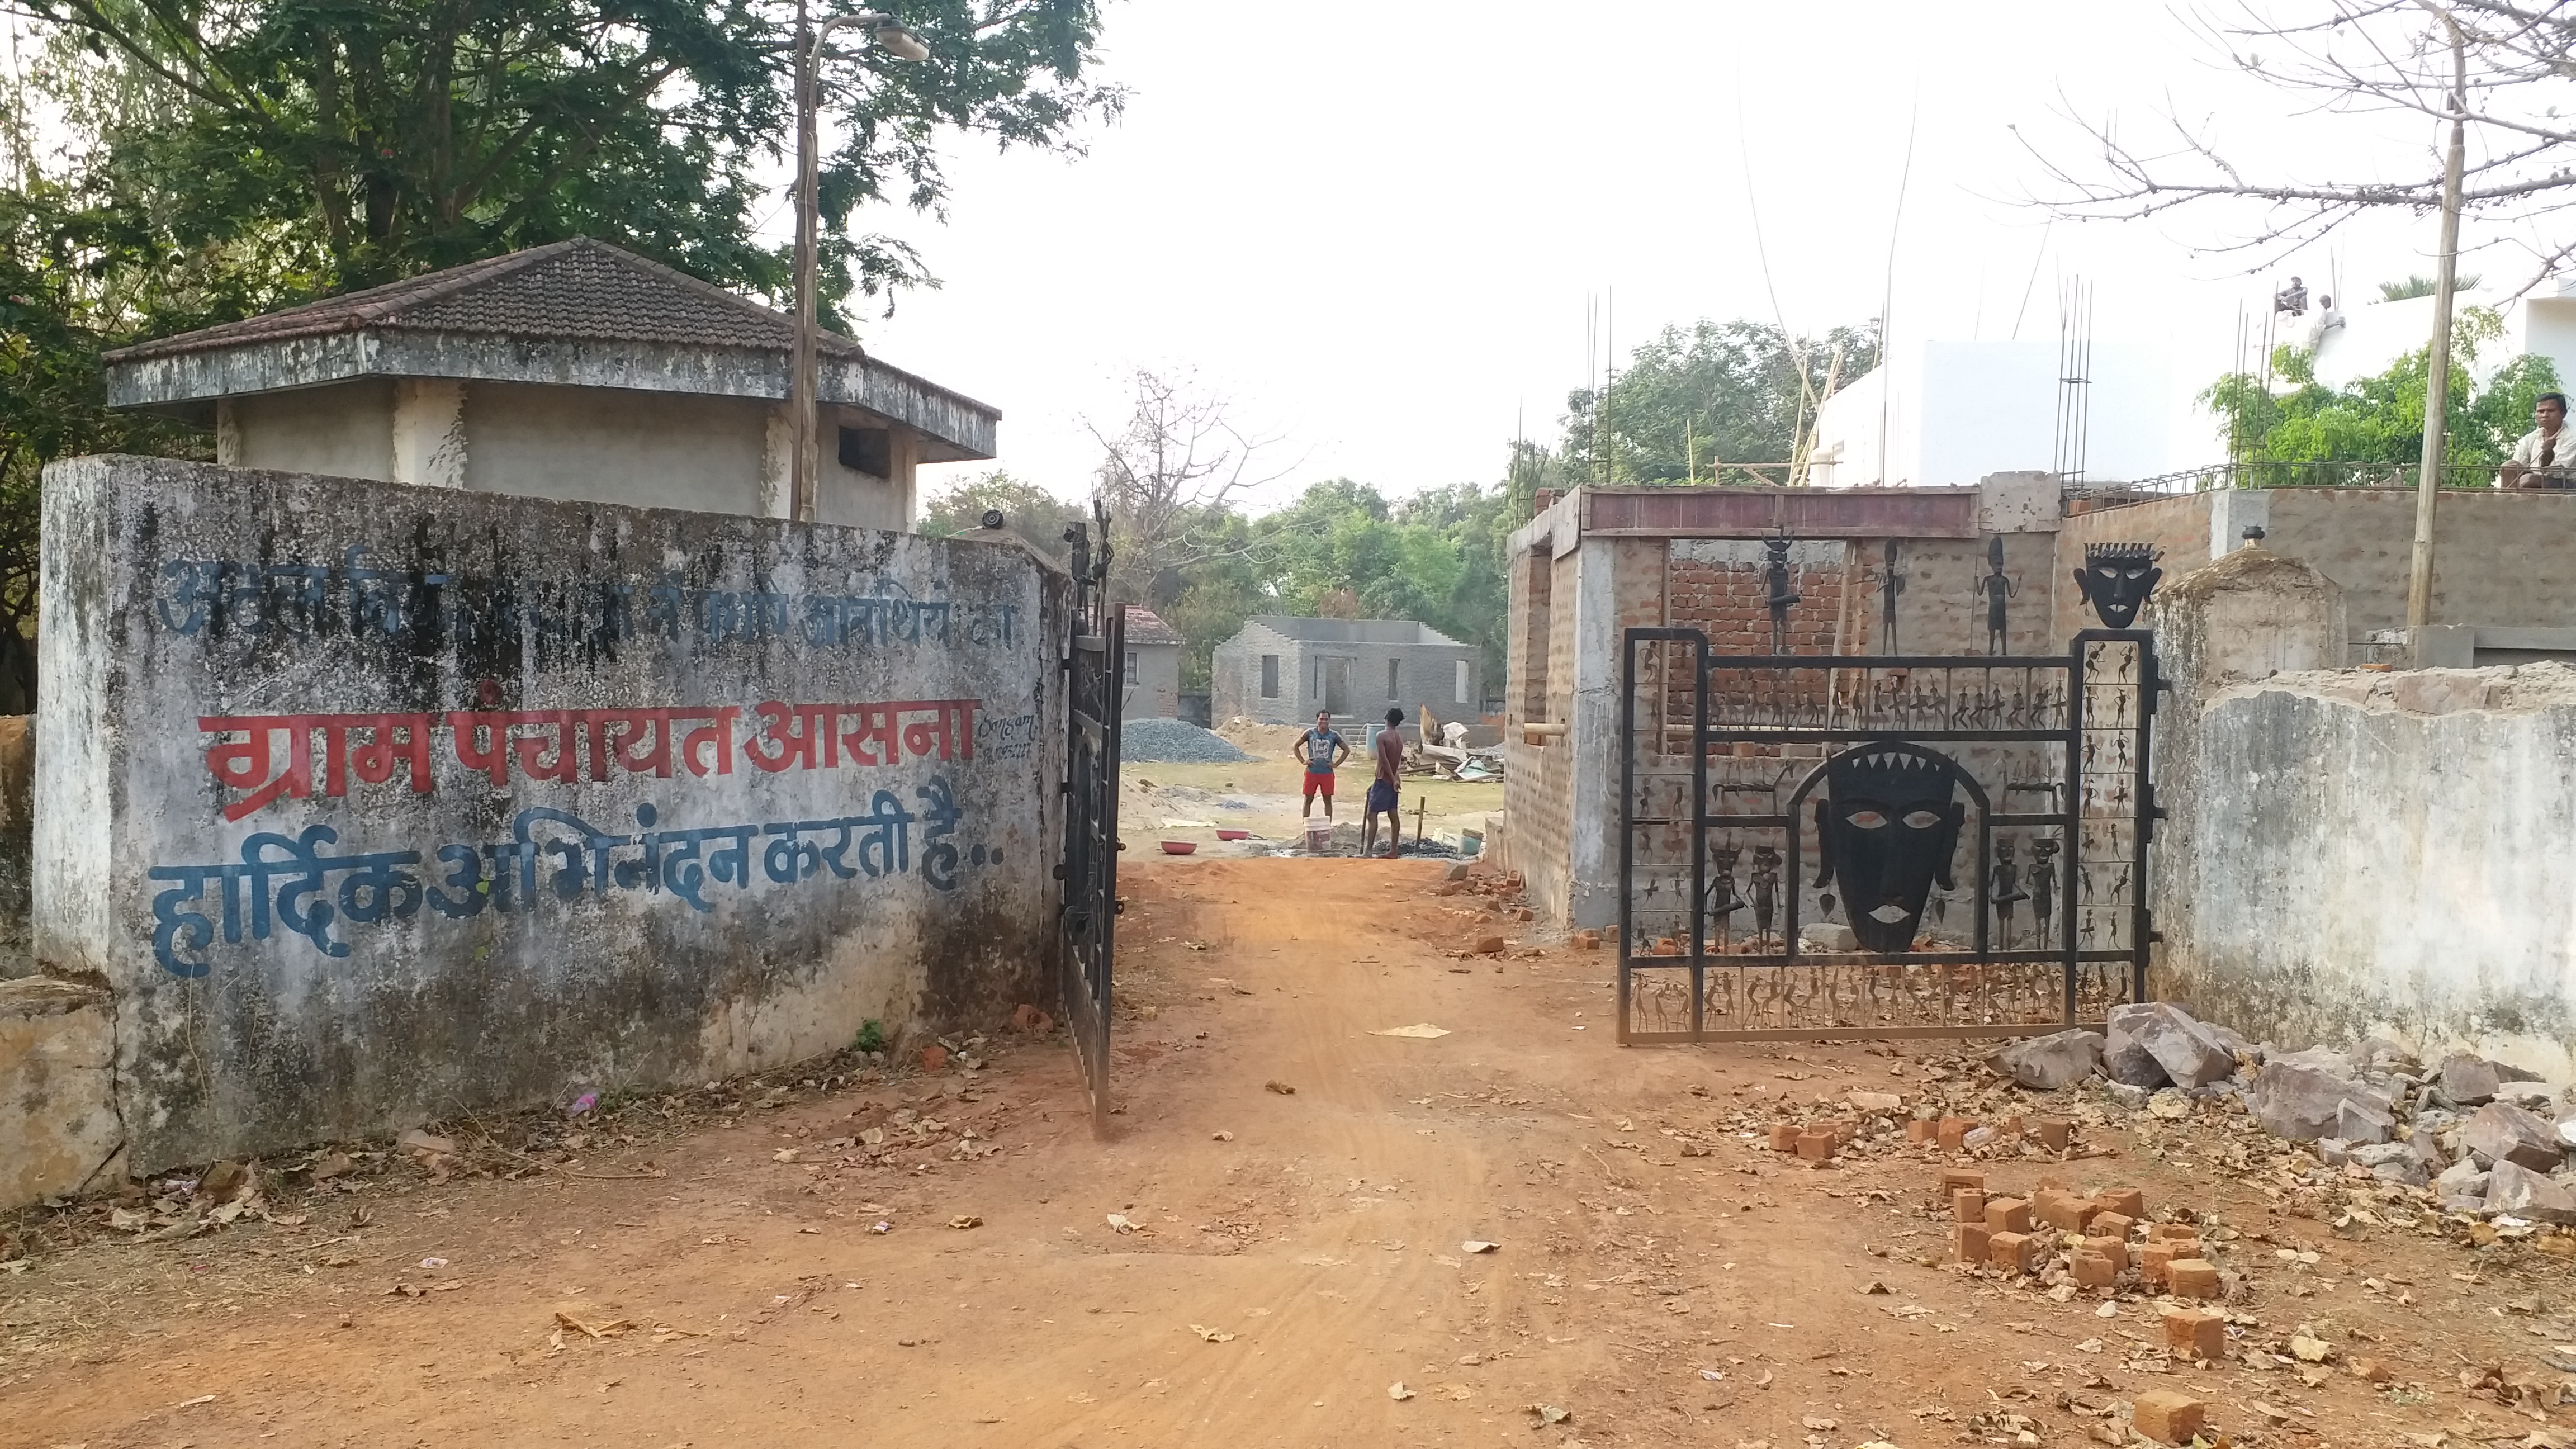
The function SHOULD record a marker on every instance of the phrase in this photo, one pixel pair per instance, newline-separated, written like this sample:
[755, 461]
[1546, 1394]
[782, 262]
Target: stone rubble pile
[2475, 1136]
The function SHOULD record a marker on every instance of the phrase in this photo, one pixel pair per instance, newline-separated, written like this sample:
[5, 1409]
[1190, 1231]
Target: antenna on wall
[2074, 379]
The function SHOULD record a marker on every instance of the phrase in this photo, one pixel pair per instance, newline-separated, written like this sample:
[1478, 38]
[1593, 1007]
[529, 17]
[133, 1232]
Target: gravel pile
[1174, 740]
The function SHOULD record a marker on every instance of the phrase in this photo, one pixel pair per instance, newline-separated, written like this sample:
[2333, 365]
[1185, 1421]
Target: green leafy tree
[2379, 420]
[348, 145]
[53, 404]
[1028, 510]
[1720, 392]
[2417, 284]
[178, 162]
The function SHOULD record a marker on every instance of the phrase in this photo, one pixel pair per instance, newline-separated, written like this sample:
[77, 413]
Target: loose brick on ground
[2017, 1252]
[2062, 1210]
[2192, 1277]
[2196, 1333]
[2168, 1417]
[2008, 1215]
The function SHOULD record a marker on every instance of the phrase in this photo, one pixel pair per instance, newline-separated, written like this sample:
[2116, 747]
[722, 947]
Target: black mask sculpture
[2116, 579]
[1886, 829]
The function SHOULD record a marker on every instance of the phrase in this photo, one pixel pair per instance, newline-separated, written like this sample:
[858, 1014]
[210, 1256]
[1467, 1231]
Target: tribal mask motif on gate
[1886, 829]
[2116, 579]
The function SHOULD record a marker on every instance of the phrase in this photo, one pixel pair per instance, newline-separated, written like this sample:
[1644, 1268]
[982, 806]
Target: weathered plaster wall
[345, 429]
[955, 426]
[597, 444]
[606, 865]
[637, 449]
[2249, 617]
[2375, 852]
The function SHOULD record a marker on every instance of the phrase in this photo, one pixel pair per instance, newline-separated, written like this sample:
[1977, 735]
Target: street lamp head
[903, 43]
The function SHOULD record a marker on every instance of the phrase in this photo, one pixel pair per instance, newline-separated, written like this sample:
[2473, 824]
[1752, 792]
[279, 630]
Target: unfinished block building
[1281, 670]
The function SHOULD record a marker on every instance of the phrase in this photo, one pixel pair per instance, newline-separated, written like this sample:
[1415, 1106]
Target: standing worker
[1322, 749]
[1381, 791]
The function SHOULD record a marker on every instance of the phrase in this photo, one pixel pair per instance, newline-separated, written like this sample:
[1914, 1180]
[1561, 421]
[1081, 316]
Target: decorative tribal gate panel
[1094, 664]
[1882, 845]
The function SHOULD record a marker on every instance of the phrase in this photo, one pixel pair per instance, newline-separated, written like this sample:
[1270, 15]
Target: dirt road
[1289, 1257]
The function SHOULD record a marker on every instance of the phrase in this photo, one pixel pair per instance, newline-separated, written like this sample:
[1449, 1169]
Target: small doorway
[1337, 686]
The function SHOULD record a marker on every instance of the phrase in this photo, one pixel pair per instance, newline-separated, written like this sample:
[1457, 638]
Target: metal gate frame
[2131, 797]
[1093, 664]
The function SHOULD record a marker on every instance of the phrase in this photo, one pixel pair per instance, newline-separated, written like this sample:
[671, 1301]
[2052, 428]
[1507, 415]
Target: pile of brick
[2099, 1242]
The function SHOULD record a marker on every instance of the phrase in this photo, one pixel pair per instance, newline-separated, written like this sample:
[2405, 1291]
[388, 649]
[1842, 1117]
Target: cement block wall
[1155, 691]
[2493, 563]
[601, 797]
[2378, 853]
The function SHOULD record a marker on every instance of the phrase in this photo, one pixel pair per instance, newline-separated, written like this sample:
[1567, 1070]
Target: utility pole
[805, 465]
[2437, 381]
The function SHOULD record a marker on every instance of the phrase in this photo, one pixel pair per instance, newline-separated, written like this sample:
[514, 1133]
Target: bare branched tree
[1178, 460]
[2501, 67]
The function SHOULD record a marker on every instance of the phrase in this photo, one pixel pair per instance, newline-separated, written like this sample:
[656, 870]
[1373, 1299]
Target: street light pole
[805, 463]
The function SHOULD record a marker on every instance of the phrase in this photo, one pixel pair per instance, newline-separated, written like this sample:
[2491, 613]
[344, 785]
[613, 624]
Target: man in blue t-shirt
[1322, 750]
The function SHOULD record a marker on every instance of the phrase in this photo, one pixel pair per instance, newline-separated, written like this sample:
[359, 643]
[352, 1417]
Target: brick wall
[1720, 587]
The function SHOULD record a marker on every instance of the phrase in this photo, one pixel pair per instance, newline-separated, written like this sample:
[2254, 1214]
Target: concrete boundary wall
[371, 804]
[2383, 853]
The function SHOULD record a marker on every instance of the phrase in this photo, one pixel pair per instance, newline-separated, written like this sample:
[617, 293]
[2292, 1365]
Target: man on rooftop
[2541, 459]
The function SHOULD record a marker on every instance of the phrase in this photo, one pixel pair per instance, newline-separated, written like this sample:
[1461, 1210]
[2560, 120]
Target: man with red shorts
[1322, 750]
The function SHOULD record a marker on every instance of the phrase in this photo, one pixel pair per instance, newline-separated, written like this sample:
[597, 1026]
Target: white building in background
[2351, 343]
[1953, 412]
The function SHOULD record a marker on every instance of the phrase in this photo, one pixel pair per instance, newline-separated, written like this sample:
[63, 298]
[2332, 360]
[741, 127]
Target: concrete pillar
[2250, 615]
[228, 437]
[1618, 582]
[2231, 512]
[429, 432]
[777, 466]
[904, 446]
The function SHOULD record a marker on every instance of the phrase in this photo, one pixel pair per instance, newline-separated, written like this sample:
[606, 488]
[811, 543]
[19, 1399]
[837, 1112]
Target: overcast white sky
[1375, 227]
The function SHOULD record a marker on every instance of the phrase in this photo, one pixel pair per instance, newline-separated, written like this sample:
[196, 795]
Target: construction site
[1407, 1152]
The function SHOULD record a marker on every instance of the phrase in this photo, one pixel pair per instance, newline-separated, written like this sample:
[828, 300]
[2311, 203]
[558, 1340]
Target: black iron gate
[1093, 664]
[1817, 846]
